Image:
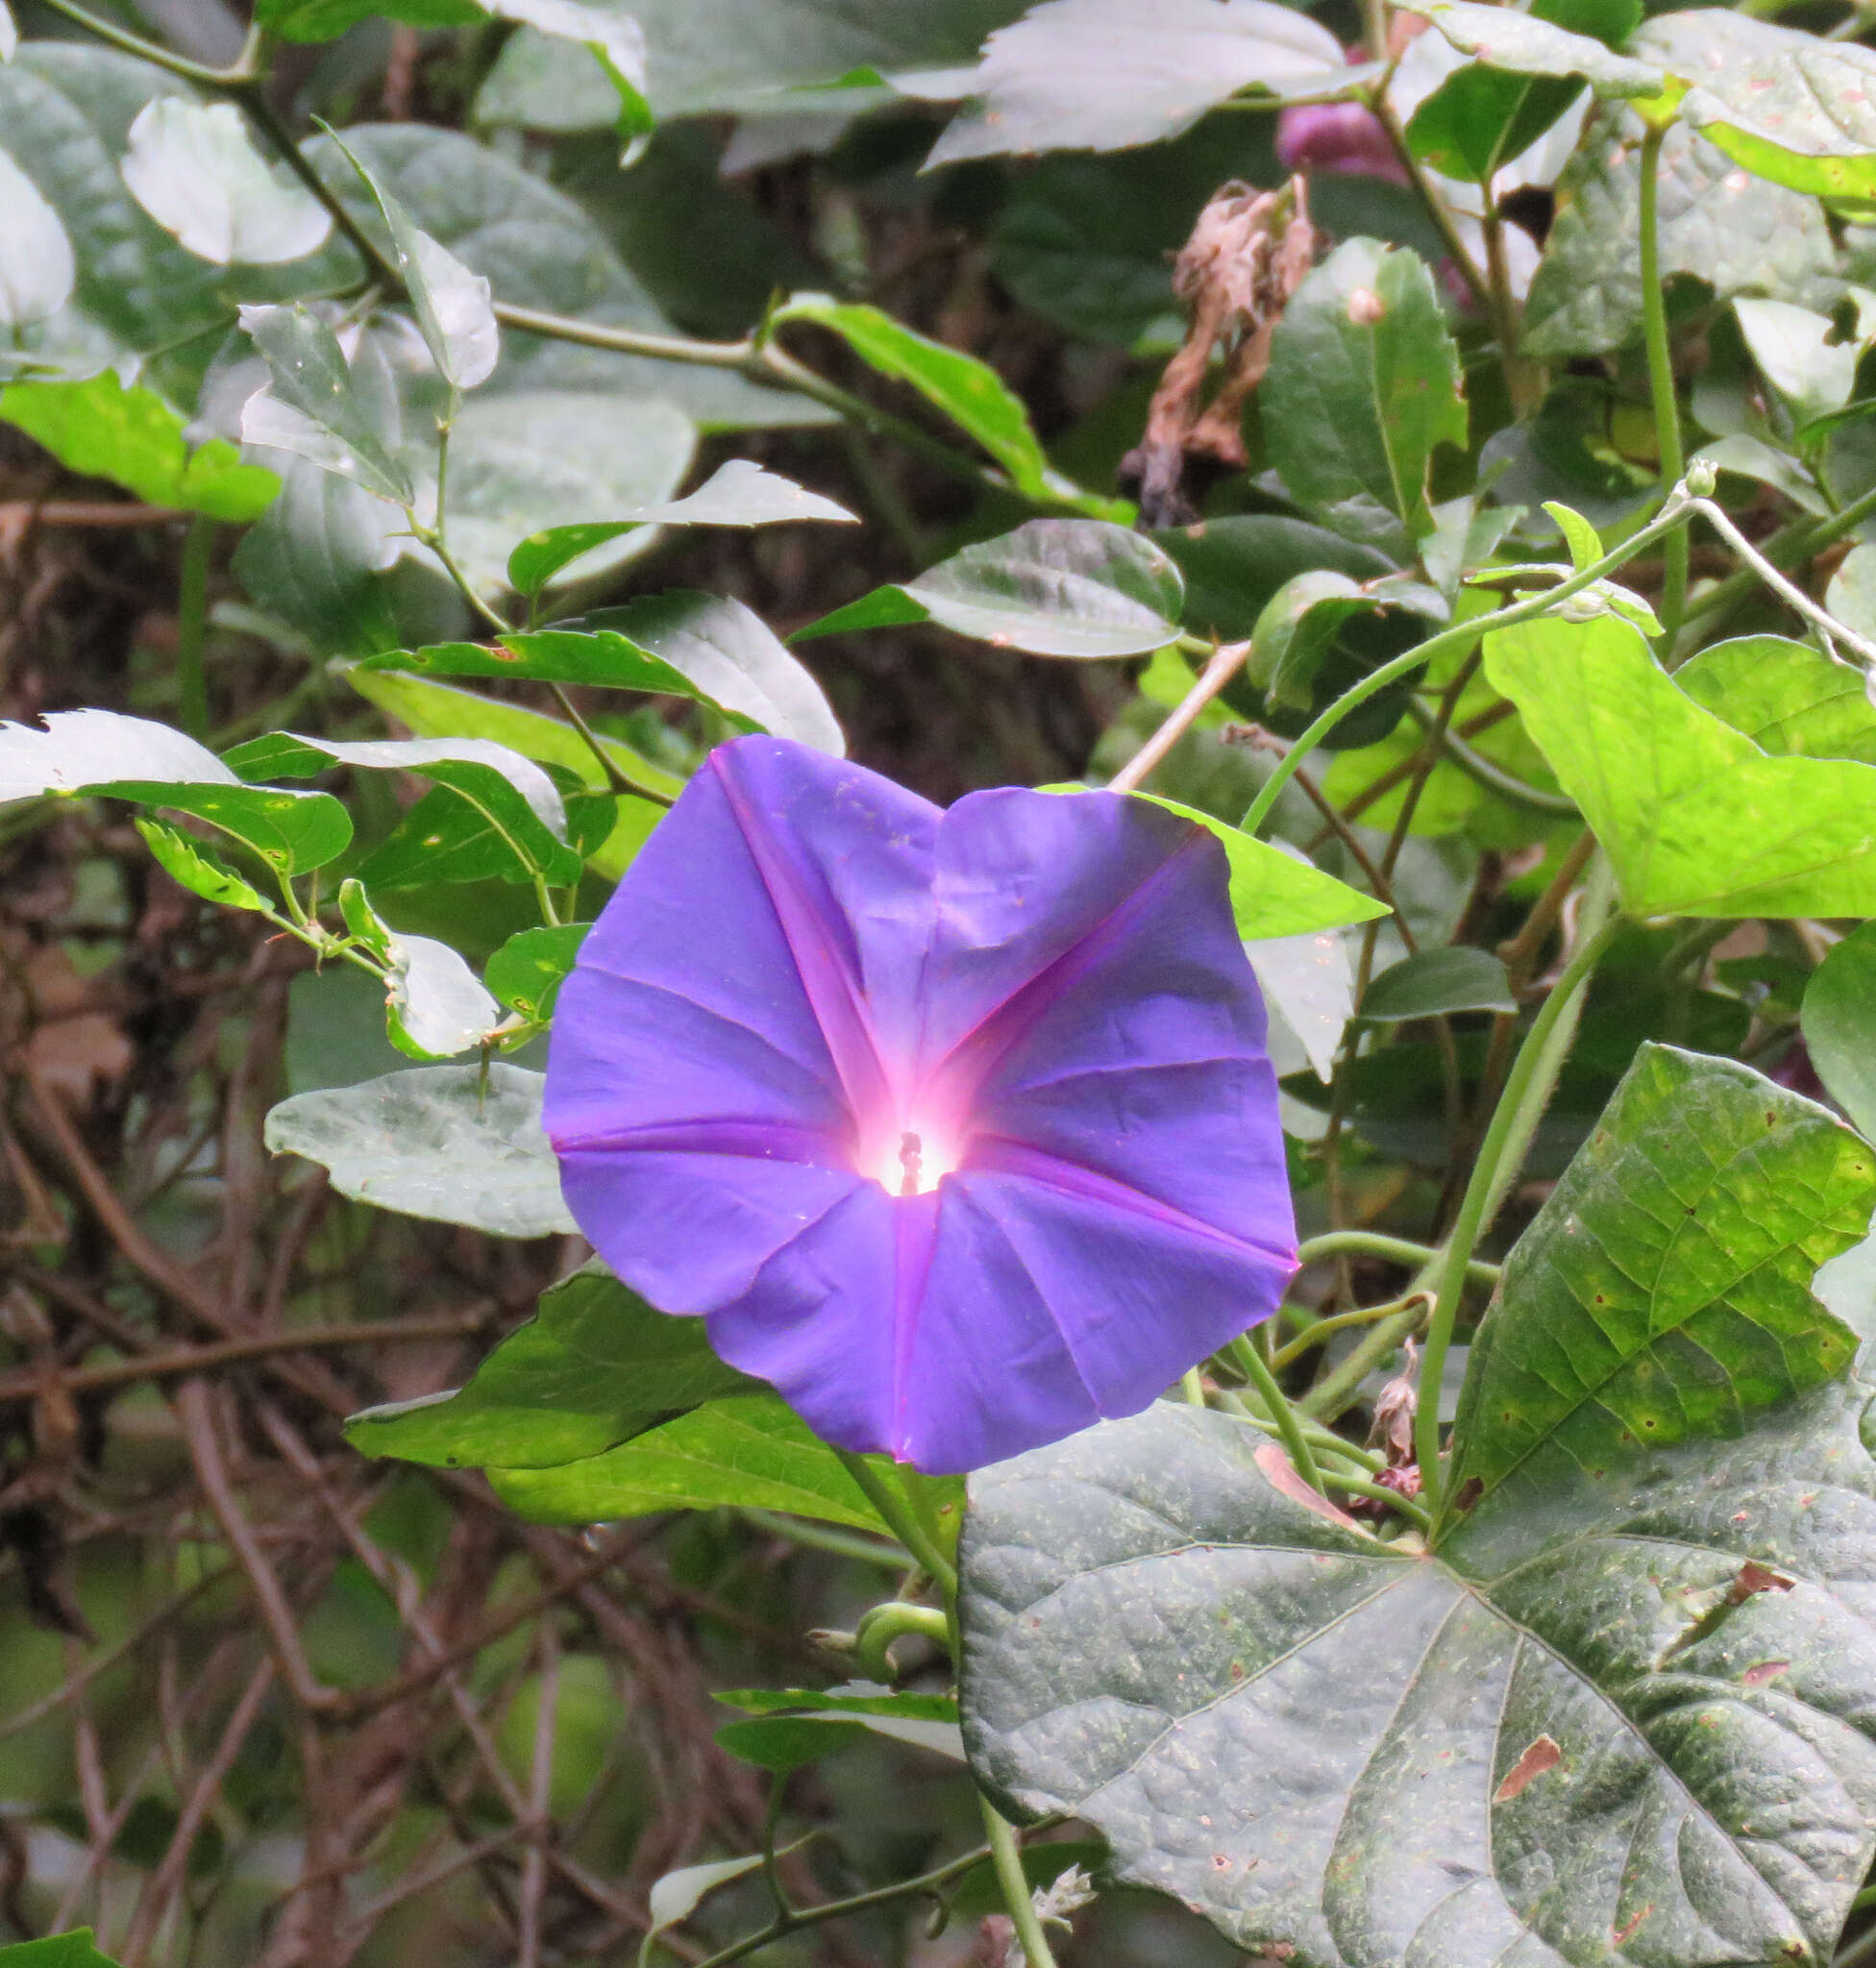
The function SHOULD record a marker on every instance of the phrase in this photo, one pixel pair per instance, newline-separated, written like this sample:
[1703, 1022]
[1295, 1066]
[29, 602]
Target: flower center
[912, 1163]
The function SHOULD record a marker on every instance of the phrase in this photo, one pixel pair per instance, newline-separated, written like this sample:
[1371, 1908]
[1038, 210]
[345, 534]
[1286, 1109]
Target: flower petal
[1098, 1310]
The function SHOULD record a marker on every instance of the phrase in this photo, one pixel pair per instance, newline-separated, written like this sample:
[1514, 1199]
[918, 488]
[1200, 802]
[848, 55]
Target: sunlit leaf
[193, 167]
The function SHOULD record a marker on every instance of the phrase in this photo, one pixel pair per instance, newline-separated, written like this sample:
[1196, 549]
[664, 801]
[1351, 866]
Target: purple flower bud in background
[958, 1126]
[1343, 137]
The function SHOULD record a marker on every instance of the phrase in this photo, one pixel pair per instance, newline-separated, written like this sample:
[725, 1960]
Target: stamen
[911, 1161]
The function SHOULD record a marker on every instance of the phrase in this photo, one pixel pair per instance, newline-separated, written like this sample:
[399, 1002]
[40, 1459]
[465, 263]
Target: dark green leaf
[74, 1950]
[593, 1367]
[511, 794]
[101, 429]
[1233, 566]
[1364, 385]
[1103, 74]
[526, 972]
[1055, 587]
[309, 408]
[1302, 621]
[1789, 699]
[445, 839]
[1695, 818]
[434, 1141]
[969, 392]
[1602, 1692]
[1737, 232]
[1432, 981]
[749, 1450]
[788, 1742]
[1840, 1025]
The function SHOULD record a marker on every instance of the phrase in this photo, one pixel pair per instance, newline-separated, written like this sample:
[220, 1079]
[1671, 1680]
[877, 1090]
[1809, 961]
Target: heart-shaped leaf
[1435, 981]
[1788, 698]
[1620, 1713]
[1055, 587]
[435, 1142]
[1697, 818]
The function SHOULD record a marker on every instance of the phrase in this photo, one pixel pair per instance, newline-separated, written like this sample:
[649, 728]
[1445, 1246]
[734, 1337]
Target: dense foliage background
[275, 1693]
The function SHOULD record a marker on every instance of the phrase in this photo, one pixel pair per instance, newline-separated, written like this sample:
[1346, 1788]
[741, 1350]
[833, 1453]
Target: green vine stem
[1397, 1250]
[1461, 635]
[1256, 1370]
[903, 1521]
[1528, 1089]
[1007, 1858]
[1661, 384]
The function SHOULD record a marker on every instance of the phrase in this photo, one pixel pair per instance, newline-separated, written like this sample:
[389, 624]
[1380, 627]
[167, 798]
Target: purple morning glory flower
[957, 1126]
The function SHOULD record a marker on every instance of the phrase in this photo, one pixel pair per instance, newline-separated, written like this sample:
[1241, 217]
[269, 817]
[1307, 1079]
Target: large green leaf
[1622, 1714]
[1739, 234]
[1787, 697]
[1788, 105]
[434, 1141]
[594, 1367]
[101, 429]
[1103, 74]
[1697, 818]
[1055, 587]
[1520, 43]
[750, 1450]
[1364, 385]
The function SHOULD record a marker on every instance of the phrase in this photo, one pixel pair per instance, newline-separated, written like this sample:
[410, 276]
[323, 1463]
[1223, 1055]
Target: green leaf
[1364, 385]
[1695, 818]
[1737, 232]
[1233, 566]
[902, 1705]
[1528, 45]
[435, 1008]
[749, 1450]
[309, 408]
[444, 838]
[434, 1141]
[613, 39]
[969, 392]
[198, 872]
[1603, 1691]
[1789, 105]
[1840, 1025]
[1584, 542]
[1663, 1292]
[74, 1950]
[325, 21]
[1272, 892]
[1789, 699]
[526, 972]
[36, 268]
[101, 429]
[593, 1367]
[737, 494]
[510, 793]
[782, 1743]
[708, 56]
[1434, 981]
[1799, 354]
[437, 708]
[538, 248]
[1305, 982]
[318, 560]
[103, 755]
[1055, 587]
[1103, 74]
[452, 304]
[1302, 621]
[194, 169]
[680, 644]
[523, 462]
